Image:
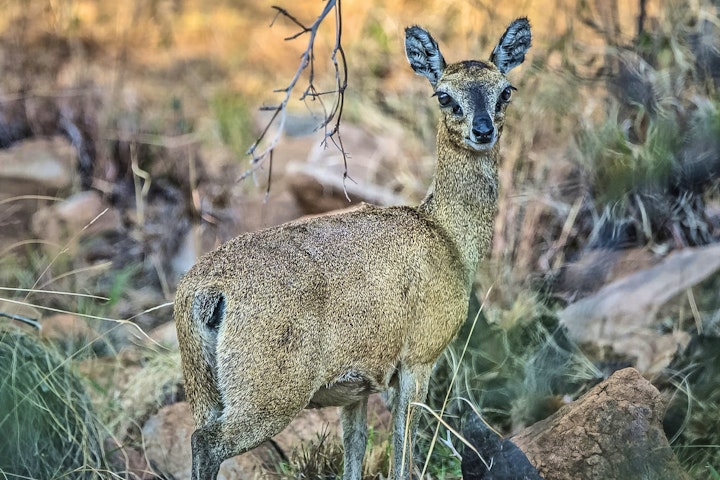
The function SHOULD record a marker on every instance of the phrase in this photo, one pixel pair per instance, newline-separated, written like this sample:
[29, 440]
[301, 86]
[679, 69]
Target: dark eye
[504, 98]
[444, 99]
[505, 95]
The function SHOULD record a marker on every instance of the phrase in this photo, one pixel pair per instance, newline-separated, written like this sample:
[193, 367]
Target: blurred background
[124, 128]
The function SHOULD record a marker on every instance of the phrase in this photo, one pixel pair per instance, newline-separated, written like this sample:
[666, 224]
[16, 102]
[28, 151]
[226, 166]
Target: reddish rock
[165, 335]
[166, 436]
[37, 166]
[82, 214]
[621, 317]
[67, 328]
[613, 431]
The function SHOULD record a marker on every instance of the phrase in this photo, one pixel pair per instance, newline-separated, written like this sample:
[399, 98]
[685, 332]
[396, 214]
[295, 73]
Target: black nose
[482, 129]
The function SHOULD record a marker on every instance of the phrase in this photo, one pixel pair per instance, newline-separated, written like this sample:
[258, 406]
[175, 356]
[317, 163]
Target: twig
[341, 82]
[20, 318]
[447, 441]
[641, 18]
[307, 62]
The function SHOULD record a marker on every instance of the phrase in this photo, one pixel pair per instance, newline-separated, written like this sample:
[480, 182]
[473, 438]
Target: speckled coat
[324, 311]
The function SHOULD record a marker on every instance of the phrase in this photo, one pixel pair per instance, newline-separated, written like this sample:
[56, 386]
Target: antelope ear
[423, 53]
[513, 45]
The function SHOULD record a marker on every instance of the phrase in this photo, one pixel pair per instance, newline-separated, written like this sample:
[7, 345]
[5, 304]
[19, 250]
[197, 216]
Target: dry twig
[332, 113]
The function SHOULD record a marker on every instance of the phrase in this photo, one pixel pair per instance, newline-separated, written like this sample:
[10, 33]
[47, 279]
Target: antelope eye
[444, 99]
[505, 95]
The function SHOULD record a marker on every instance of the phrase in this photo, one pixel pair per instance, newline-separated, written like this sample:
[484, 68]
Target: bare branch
[341, 81]
[20, 318]
[286, 14]
[332, 115]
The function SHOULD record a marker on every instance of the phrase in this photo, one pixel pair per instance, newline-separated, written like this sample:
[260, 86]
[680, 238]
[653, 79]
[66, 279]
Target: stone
[167, 446]
[40, 166]
[613, 431]
[598, 267]
[493, 457]
[621, 316]
[166, 436]
[67, 328]
[318, 182]
[80, 215]
[165, 335]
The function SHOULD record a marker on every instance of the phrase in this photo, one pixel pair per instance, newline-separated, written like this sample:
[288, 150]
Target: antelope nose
[483, 129]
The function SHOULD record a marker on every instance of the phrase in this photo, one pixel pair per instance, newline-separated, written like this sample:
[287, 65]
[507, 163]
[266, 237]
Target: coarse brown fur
[325, 311]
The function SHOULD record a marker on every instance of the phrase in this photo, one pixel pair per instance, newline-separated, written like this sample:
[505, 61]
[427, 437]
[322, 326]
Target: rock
[80, 215]
[188, 252]
[598, 267]
[127, 462]
[165, 335]
[318, 183]
[311, 423]
[67, 328]
[167, 439]
[167, 446]
[307, 426]
[620, 316]
[38, 166]
[320, 190]
[613, 431]
[505, 459]
[24, 317]
[13, 121]
[249, 214]
[41, 166]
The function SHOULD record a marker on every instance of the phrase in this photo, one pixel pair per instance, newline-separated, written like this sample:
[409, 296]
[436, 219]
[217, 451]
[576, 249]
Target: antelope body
[325, 311]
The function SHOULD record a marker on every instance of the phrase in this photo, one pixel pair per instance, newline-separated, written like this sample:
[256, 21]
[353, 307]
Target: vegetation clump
[48, 424]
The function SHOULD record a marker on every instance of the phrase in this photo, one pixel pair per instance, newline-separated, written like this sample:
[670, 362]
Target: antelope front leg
[412, 387]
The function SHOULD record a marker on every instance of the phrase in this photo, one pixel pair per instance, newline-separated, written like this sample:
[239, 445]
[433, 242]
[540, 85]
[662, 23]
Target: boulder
[613, 431]
[40, 166]
[167, 447]
[166, 436]
[80, 215]
[621, 317]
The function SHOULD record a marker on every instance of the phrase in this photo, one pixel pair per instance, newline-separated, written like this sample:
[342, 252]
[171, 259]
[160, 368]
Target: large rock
[166, 436]
[613, 431]
[621, 317]
[493, 457]
[167, 447]
[318, 181]
[599, 267]
[38, 166]
[167, 442]
[82, 214]
[67, 328]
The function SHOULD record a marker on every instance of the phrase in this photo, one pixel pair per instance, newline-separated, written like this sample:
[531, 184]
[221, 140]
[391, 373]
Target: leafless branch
[20, 318]
[332, 114]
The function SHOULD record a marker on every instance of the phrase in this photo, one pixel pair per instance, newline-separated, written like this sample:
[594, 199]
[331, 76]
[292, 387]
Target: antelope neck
[463, 199]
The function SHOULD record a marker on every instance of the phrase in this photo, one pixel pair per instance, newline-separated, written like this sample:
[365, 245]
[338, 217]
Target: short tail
[198, 316]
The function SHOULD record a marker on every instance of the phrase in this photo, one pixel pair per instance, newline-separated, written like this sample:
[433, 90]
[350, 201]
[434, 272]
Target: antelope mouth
[480, 146]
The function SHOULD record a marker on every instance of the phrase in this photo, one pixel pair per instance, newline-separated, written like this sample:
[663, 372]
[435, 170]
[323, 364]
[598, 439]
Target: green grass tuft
[233, 119]
[49, 428]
